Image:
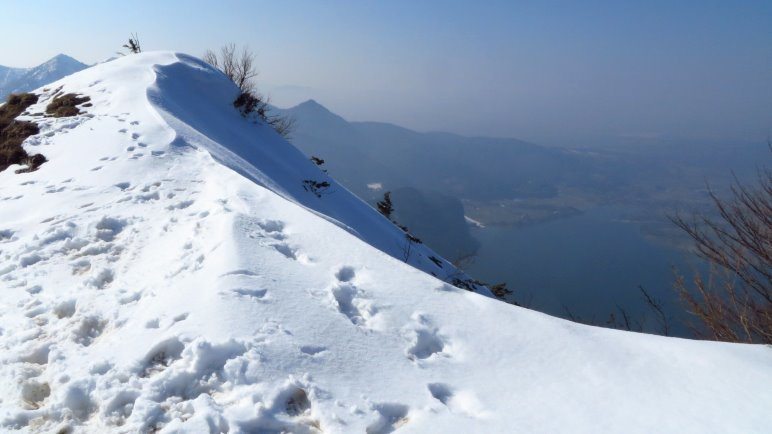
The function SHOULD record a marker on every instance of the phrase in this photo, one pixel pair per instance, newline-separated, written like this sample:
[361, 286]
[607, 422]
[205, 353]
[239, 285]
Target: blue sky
[557, 72]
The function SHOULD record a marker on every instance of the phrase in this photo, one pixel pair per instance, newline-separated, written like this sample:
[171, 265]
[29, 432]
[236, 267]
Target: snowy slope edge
[153, 288]
[203, 119]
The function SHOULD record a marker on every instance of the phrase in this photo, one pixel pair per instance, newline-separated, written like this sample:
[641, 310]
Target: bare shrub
[436, 261]
[133, 45]
[281, 124]
[735, 302]
[410, 241]
[319, 162]
[385, 206]
[656, 306]
[240, 68]
[621, 319]
[318, 188]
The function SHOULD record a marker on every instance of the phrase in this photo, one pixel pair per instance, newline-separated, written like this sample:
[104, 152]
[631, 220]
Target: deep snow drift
[166, 270]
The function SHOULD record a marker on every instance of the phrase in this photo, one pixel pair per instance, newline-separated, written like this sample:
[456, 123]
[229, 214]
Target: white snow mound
[166, 271]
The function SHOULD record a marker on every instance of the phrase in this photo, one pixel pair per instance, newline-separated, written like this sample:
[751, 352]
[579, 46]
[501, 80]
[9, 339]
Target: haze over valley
[396, 217]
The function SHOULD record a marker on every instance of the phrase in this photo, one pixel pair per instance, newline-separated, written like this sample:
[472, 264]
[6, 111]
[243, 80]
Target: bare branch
[240, 68]
[735, 304]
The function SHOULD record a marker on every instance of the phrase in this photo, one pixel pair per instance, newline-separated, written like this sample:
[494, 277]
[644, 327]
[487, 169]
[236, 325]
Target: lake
[588, 264]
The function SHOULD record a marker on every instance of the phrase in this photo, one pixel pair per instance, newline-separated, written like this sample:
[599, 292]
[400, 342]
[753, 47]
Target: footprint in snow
[345, 274]
[100, 368]
[251, 293]
[101, 279]
[179, 205]
[120, 407]
[425, 339]
[286, 250]
[271, 226]
[312, 350]
[349, 300]
[390, 417]
[88, 330]
[297, 402]
[181, 317]
[461, 402]
[160, 357]
[6, 235]
[130, 297]
[52, 190]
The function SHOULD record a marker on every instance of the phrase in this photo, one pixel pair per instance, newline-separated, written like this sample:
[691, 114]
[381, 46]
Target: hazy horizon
[554, 73]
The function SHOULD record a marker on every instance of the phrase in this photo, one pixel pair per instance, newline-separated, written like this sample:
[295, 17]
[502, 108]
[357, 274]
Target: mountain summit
[170, 269]
[24, 79]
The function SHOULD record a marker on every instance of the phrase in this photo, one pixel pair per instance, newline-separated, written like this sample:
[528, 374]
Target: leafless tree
[735, 303]
[211, 58]
[133, 45]
[407, 248]
[282, 125]
[240, 68]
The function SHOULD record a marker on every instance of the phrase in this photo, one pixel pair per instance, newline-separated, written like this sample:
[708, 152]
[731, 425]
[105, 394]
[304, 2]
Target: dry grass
[66, 105]
[13, 133]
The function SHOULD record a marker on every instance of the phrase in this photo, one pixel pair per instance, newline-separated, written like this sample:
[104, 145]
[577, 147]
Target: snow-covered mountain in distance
[24, 79]
[8, 76]
[491, 168]
[166, 271]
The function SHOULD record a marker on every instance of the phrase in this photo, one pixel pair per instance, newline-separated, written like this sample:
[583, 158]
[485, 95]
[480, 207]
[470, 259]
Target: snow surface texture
[166, 271]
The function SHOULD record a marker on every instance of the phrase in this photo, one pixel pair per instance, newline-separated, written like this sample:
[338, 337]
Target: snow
[24, 79]
[472, 222]
[165, 270]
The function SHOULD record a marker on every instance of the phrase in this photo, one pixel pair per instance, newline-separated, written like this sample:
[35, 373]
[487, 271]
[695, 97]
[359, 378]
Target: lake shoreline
[590, 264]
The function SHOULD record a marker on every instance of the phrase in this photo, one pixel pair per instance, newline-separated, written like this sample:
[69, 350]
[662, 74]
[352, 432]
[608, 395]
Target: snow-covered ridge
[166, 270]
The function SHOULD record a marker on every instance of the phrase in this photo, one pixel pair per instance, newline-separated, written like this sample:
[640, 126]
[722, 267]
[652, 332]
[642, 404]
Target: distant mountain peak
[26, 79]
[312, 104]
[63, 57]
[61, 61]
[312, 111]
